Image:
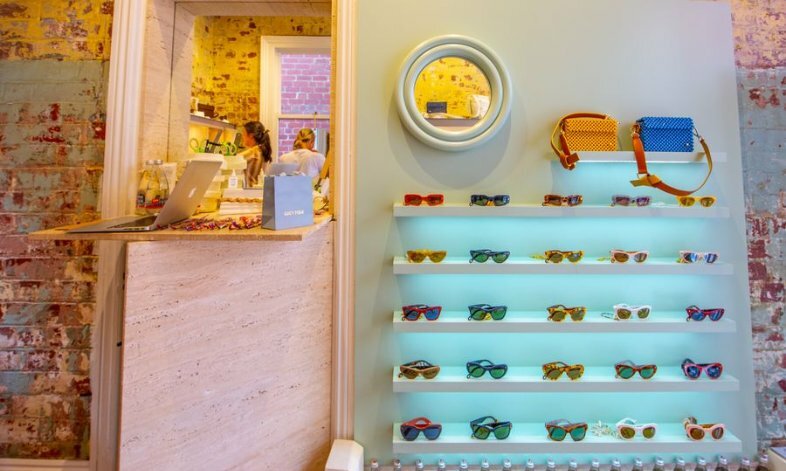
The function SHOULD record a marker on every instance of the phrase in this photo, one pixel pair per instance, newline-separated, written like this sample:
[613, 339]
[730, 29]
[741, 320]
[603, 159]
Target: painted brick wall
[53, 63]
[233, 42]
[305, 89]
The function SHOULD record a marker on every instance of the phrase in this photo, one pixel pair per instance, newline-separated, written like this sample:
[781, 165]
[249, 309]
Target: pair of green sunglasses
[484, 312]
[627, 369]
[483, 427]
[561, 428]
[476, 369]
[482, 255]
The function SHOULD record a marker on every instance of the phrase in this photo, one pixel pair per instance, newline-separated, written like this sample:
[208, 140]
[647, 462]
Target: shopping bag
[287, 202]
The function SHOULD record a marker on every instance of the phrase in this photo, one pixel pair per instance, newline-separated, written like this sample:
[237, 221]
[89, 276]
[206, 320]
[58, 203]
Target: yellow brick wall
[453, 80]
[226, 67]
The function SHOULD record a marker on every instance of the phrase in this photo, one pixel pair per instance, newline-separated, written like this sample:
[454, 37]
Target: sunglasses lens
[625, 372]
[620, 257]
[710, 257]
[643, 200]
[707, 201]
[480, 257]
[555, 200]
[475, 371]
[557, 434]
[687, 200]
[498, 372]
[577, 434]
[554, 257]
[437, 256]
[620, 200]
[627, 432]
[644, 313]
[481, 433]
[716, 314]
[554, 374]
[714, 371]
[502, 432]
[499, 313]
[478, 315]
[409, 433]
[430, 373]
[647, 372]
[575, 373]
[648, 432]
[500, 257]
[574, 257]
[409, 373]
[416, 257]
[480, 200]
[433, 200]
[717, 433]
[557, 316]
[432, 432]
[640, 257]
[411, 315]
[578, 315]
[412, 200]
[623, 314]
[432, 314]
[696, 433]
[692, 371]
[501, 200]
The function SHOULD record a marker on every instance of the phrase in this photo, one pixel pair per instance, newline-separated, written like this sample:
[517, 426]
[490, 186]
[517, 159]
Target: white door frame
[271, 48]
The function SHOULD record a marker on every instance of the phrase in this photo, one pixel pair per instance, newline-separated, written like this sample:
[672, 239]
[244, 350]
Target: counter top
[297, 234]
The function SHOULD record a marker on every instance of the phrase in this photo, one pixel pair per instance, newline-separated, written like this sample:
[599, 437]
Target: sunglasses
[476, 369]
[559, 200]
[688, 201]
[623, 312]
[627, 429]
[417, 368]
[482, 255]
[484, 312]
[484, 427]
[558, 313]
[693, 370]
[485, 200]
[411, 429]
[417, 200]
[418, 256]
[627, 369]
[697, 314]
[696, 431]
[414, 311]
[561, 428]
[625, 200]
[689, 256]
[554, 370]
[622, 256]
[557, 256]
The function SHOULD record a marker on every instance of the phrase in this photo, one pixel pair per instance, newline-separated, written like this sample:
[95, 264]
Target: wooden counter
[297, 234]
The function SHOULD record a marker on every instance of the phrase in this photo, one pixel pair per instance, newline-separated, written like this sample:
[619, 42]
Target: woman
[309, 162]
[258, 153]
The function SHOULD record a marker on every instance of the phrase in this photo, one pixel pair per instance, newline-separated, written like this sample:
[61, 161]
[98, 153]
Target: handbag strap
[567, 158]
[645, 178]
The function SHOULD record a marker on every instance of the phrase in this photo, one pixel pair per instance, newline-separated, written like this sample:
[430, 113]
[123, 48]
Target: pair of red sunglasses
[411, 199]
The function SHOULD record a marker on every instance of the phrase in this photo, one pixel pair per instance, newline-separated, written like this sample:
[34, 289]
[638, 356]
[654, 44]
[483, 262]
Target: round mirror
[453, 93]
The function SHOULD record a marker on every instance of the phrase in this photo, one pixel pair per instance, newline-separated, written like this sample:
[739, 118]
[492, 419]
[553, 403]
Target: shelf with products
[210, 122]
[652, 157]
[538, 211]
[453, 379]
[536, 322]
[531, 438]
[530, 266]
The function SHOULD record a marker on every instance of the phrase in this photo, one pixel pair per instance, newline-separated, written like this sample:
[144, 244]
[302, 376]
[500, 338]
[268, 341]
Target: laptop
[182, 202]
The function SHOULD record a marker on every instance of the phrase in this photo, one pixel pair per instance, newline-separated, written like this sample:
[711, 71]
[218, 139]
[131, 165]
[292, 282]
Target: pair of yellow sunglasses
[688, 201]
[418, 256]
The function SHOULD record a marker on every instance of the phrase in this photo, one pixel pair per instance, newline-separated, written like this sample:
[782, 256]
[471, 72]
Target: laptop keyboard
[141, 222]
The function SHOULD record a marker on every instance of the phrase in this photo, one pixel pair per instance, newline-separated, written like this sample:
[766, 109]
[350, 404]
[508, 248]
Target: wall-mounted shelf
[211, 123]
[530, 266]
[531, 438]
[652, 157]
[538, 211]
[453, 379]
[455, 322]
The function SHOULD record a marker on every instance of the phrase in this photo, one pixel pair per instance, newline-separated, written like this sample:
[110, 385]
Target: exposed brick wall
[288, 129]
[52, 82]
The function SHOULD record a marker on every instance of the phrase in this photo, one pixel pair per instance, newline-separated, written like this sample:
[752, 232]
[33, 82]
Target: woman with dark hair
[258, 153]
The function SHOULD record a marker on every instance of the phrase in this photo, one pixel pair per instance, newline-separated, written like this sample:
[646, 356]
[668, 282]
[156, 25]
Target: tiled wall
[53, 64]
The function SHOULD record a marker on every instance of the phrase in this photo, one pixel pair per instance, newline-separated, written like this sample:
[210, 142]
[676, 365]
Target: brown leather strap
[647, 179]
[567, 158]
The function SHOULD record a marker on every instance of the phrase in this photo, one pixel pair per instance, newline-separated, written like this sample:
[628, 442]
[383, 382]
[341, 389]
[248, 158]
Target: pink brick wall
[288, 129]
[305, 89]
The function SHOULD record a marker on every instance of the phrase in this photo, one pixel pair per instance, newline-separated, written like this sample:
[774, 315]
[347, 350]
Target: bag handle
[645, 178]
[567, 158]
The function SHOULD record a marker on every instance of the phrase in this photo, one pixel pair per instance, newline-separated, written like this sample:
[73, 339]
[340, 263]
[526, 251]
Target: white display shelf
[538, 211]
[455, 322]
[652, 157]
[531, 438]
[530, 266]
[211, 123]
[453, 379]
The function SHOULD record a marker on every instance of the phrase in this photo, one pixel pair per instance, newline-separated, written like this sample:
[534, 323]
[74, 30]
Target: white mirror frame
[454, 45]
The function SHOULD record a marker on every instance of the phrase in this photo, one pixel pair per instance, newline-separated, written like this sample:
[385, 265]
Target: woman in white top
[309, 162]
[258, 153]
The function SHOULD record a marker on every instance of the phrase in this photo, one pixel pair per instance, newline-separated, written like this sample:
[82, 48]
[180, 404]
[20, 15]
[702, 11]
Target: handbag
[657, 134]
[583, 132]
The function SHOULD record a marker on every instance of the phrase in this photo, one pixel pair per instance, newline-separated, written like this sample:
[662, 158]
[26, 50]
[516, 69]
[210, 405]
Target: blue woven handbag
[663, 134]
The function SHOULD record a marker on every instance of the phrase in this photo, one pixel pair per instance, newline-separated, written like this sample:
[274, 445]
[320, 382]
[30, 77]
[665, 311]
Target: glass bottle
[723, 464]
[418, 465]
[153, 190]
[615, 465]
[163, 182]
[572, 465]
[507, 465]
[441, 465]
[638, 465]
[660, 465]
[141, 189]
[745, 464]
[550, 465]
[764, 463]
[679, 464]
[595, 465]
[701, 464]
[374, 465]
[463, 465]
[530, 466]
[396, 465]
[484, 465]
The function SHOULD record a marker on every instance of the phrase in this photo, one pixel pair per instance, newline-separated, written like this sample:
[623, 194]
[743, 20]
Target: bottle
[153, 189]
[745, 464]
[507, 465]
[723, 464]
[374, 465]
[484, 465]
[418, 463]
[595, 465]
[463, 465]
[615, 465]
[233, 183]
[141, 189]
[163, 183]
[530, 466]
[550, 465]
[572, 465]
[660, 465]
[701, 464]
[396, 465]
[441, 465]
[679, 464]
[764, 463]
[638, 465]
